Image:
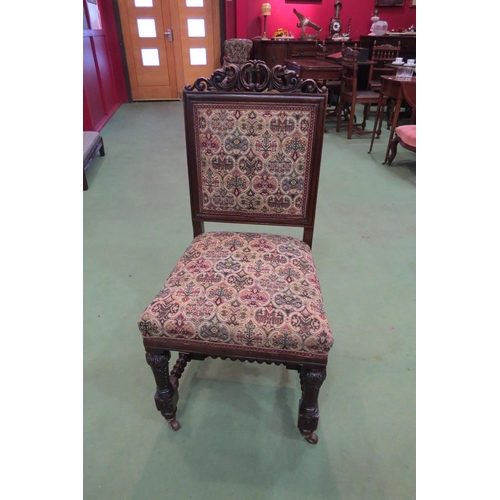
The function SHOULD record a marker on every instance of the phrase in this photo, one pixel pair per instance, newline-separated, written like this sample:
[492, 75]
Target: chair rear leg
[352, 119]
[366, 114]
[166, 395]
[340, 112]
[85, 185]
[311, 380]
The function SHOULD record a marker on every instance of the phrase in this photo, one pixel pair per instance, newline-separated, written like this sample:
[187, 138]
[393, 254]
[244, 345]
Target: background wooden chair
[333, 86]
[253, 157]
[382, 55]
[405, 135]
[350, 96]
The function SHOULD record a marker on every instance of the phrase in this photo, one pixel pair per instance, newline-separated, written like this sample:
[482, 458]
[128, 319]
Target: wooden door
[167, 42]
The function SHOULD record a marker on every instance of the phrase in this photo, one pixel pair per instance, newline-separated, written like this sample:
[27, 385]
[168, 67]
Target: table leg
[377, 117]
[393, 127]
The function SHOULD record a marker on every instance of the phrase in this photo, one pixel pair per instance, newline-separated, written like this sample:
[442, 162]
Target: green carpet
[239, 438]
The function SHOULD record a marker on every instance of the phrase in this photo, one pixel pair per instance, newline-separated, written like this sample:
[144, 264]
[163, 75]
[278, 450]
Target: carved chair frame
[251, 83]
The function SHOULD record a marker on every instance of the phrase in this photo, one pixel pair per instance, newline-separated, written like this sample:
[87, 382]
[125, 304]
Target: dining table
[391, 87]
[315, 69]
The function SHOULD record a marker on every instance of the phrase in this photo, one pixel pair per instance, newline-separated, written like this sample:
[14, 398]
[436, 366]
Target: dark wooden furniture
[253, 157]
[392, 87]
[408, 44]
[382, 56]
[316, 69]
[364, 64]
[325, 73]
[350, 95]
[92, 143]
[332, 84]
[405, 135]
[274, 52]
[389, 3]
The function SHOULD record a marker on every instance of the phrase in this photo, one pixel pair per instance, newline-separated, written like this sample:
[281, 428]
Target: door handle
[170, 35]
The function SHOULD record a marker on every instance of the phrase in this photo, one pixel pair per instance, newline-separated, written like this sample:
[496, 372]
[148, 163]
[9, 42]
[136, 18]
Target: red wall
[245, 20]
[104, 87]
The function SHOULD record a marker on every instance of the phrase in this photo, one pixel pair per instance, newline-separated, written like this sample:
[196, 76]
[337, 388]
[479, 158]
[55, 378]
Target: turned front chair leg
[311, 380]
[166, 395]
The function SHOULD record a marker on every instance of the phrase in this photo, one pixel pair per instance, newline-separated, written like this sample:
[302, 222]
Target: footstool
[92, 143]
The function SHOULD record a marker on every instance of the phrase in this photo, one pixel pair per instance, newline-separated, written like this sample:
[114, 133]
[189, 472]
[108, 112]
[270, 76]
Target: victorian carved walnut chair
[253, 156]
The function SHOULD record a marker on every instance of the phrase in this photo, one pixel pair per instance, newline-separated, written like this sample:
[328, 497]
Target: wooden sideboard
[408, 44]
[274, 52]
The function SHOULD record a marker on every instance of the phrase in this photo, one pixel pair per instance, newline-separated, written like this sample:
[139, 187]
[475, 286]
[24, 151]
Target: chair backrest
[382, 55]
[254, 149]
[237, 50]
[349, 70]
[385, 53]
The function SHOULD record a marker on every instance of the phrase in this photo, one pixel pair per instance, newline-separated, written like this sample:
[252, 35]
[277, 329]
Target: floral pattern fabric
[237, 50]
[257, 291]
[254, 160]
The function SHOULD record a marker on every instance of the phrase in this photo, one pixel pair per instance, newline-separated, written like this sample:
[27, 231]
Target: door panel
[195, 49]
[150, 57]
[160, 65]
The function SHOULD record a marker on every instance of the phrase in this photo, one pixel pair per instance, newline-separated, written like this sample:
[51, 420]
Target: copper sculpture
[304, 23]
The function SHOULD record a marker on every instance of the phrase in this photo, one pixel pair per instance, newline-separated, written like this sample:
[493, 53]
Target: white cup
[411, 61]
[399, 60]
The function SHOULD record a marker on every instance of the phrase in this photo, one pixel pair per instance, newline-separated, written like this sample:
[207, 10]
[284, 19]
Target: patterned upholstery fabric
[237, 50]
[257, 291]
[254, 160]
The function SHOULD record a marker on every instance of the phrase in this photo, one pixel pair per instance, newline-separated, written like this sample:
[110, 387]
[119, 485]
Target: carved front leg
[310, 381]
[166, 395]
[393, 149]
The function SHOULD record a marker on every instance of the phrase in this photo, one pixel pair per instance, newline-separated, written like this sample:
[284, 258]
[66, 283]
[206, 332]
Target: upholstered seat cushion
[90, 142]
[258, 292]
[408, 134]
